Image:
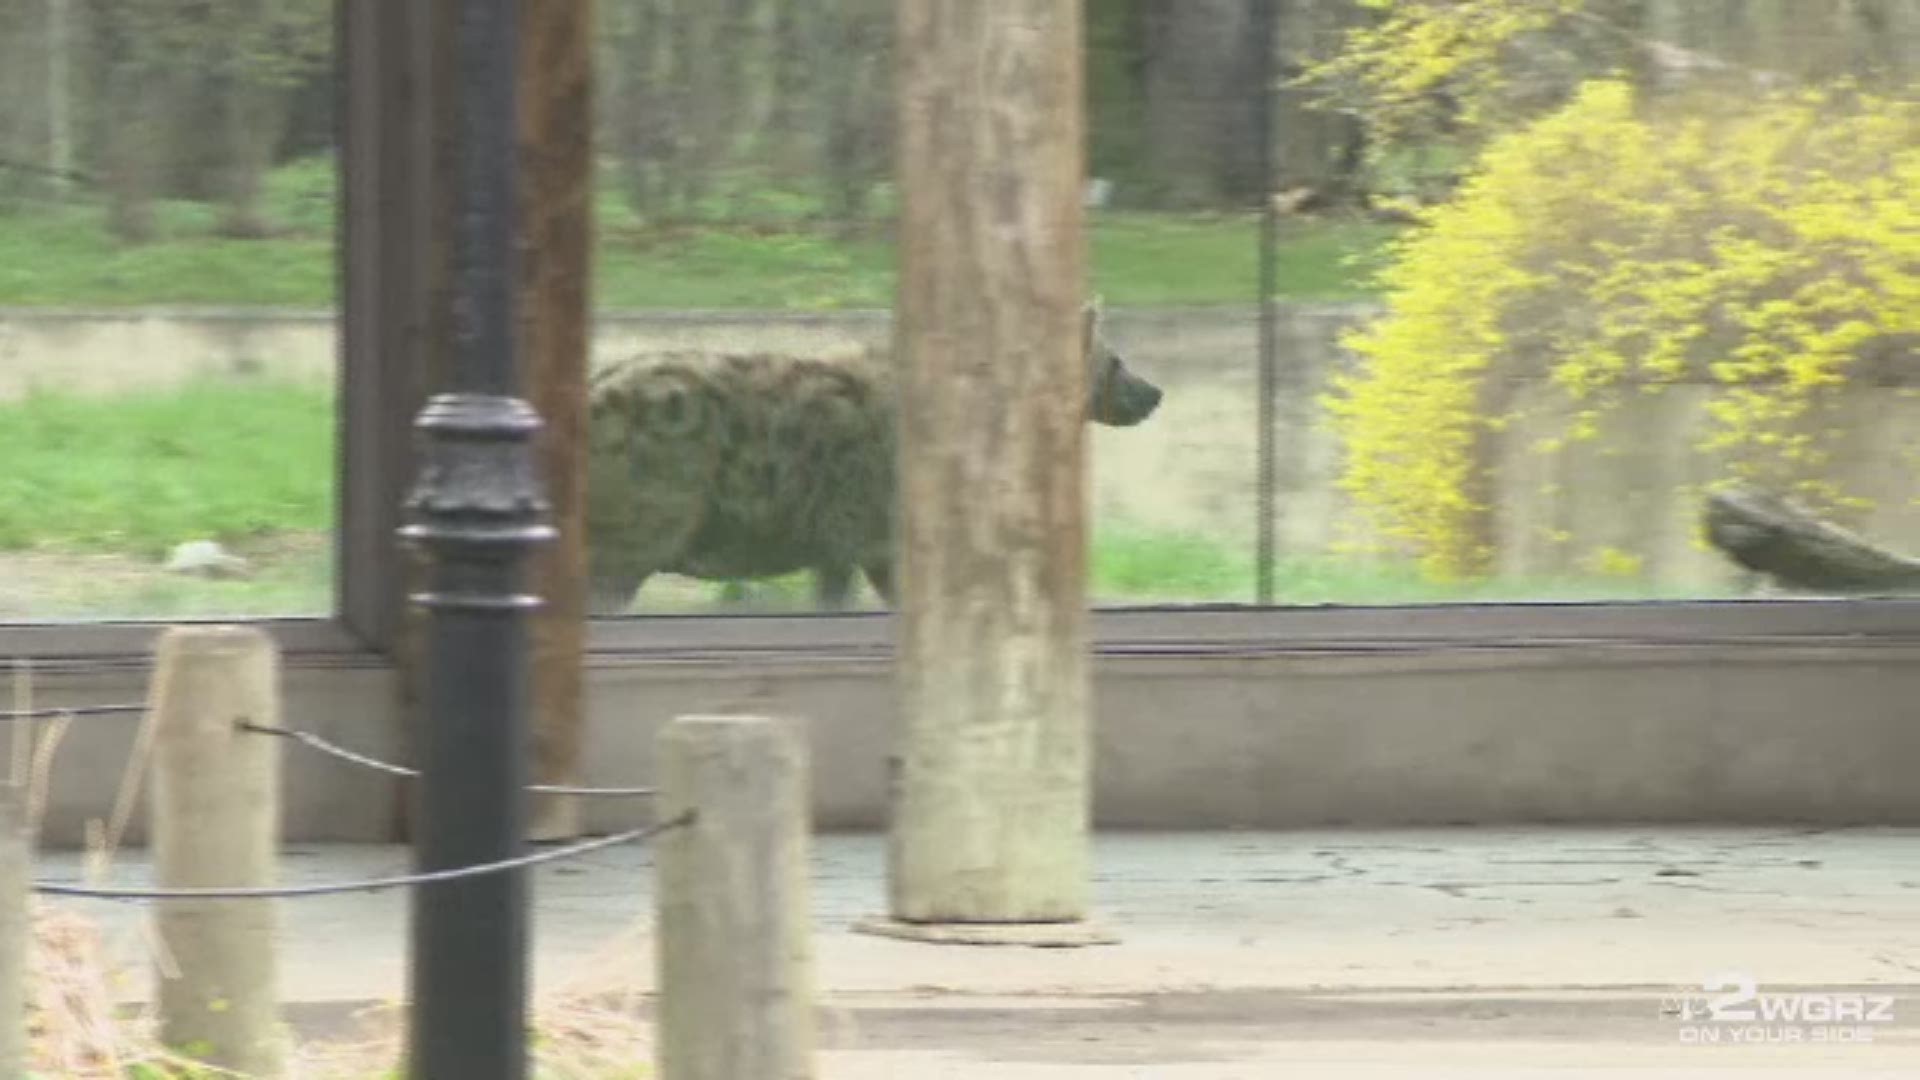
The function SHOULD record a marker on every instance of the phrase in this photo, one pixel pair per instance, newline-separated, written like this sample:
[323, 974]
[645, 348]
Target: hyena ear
[1090, 315]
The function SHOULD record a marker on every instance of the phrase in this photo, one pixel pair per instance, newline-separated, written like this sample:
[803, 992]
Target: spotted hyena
[731, 467]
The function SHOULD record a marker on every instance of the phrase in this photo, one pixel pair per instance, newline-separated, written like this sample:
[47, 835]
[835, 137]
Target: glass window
[1646, 327]
[744, 213]
[1544, 304]
[167, 334]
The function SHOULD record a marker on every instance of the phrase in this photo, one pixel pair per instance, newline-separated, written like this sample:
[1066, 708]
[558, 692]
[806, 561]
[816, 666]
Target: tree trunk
[1772, 536]
[1201, 124]
[256, 117]
[1117, 45]
[637, 110]
[1318, 150]
[991, 804]
[127, 117]
[1882, 37]
[856, 92]
[798, 63]
[19, 151]
[60, 94]
[556, 207]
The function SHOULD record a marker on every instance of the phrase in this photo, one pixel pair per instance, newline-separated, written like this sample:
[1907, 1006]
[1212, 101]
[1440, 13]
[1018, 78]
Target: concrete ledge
[1731, 733]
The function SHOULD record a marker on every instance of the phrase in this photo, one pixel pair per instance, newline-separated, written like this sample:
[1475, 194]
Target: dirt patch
[1217, 1027]
[290, 574]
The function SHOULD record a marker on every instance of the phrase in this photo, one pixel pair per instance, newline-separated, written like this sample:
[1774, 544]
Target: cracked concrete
[1429, 953]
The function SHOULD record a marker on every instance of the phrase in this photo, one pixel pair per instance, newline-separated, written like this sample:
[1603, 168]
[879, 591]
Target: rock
[1766, 533]
[205, 558]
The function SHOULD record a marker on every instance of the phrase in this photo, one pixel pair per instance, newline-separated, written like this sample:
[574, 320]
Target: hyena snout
[1121, 398]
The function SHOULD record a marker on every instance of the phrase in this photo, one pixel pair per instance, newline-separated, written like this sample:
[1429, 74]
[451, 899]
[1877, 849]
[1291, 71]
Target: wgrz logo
[1731, 1010]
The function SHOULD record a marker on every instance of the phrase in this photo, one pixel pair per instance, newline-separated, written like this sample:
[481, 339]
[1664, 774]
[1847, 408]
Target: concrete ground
[1421, 953]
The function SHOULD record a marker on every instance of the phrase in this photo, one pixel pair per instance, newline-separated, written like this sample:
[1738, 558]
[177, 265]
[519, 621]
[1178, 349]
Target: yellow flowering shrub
[1413, 56]
[1759, 245]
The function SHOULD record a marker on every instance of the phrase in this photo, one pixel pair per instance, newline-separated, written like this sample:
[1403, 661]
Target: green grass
[63, 257]
[136, 474]
[250, 463]
[1156, 259]
[773, 257]
[298, 584]
[1132, 565]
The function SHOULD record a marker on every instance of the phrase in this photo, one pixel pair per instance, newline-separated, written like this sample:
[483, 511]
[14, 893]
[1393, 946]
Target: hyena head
[1118, 397]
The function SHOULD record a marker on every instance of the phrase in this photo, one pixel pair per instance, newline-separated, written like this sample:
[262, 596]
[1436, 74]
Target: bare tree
[129, 106]
[262, 52]
[60, 160]
[857, 85]
[637, 119]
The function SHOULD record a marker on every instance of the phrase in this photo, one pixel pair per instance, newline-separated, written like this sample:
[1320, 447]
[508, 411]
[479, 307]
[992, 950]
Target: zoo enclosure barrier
[730, 905]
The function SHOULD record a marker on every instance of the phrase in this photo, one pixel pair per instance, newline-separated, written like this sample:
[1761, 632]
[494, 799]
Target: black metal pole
[477, 509]
[1265, 30]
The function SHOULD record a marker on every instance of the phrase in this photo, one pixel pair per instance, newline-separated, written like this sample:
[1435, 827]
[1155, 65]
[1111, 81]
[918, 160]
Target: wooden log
[735, 964]
[216, 823]
[1773, 536]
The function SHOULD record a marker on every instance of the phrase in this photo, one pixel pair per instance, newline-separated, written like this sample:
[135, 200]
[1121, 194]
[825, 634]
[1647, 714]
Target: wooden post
[735, 953]
[16, 922]
[16, 874]
[556, 214]
[990, 811]
[216, 822]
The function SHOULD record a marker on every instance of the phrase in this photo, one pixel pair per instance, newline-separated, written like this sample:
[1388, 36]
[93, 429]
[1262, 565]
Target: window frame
[386, 86]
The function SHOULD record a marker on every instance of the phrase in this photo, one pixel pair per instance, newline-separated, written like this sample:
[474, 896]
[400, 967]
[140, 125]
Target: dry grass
[587, 1029]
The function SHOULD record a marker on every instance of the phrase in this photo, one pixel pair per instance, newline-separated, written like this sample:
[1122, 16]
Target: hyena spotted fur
[732, 467]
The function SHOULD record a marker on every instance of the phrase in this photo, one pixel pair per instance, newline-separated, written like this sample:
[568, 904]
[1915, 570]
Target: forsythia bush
[1760, 245]
[1415, 51]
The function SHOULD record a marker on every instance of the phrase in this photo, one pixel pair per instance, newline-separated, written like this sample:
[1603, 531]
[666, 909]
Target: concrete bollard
[733, 921]
[216, 823]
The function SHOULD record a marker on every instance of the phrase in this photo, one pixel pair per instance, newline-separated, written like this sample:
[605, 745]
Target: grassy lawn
[136, 474]
[1131, 565]
[99, 490]
[62, 256]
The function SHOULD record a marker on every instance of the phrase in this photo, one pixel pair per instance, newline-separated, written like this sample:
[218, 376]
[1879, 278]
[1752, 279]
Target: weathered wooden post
[16, 871]
[735, 964]
[215, 821]
[556, 200]
[16, 911]
[990, 811]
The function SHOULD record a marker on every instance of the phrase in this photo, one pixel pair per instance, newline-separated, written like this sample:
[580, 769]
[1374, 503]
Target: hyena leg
[613, 594]
[833, 586]
[880, 573]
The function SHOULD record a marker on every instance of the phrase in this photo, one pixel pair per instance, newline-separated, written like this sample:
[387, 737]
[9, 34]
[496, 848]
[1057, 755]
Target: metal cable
[315, 742]
[62, 888]
[76, 710]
